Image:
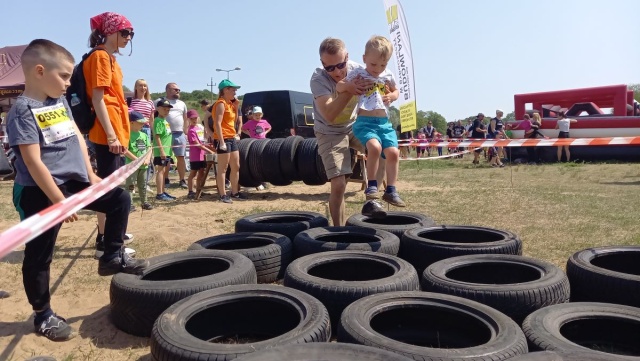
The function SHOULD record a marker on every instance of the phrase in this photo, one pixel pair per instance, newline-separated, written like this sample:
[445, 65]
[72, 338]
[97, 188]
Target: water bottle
[74, 100]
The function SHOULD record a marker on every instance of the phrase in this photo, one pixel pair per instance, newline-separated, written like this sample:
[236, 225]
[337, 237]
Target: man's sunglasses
[126, 33]
[330, 68]
[176, 90]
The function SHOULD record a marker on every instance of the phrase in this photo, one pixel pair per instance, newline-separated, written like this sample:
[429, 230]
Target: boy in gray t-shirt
[52, 163]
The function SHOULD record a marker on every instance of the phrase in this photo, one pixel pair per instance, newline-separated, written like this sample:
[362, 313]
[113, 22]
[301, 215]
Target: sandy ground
[81, 296]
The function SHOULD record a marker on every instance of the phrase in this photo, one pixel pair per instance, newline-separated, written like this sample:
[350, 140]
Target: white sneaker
[130, 251]
[260, 187]
[128, 238]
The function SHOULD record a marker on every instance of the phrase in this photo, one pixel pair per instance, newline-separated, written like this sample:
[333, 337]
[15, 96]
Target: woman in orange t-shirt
[225, 137]
[110, 132]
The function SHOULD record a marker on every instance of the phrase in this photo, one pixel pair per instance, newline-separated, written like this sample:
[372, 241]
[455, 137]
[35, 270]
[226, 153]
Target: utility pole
[211, 85]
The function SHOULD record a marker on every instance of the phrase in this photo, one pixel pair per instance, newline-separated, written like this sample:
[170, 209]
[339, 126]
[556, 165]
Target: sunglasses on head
[330, 68]
[125, 33]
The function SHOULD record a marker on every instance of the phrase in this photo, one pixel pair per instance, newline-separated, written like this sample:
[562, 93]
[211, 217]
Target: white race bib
[54, 122]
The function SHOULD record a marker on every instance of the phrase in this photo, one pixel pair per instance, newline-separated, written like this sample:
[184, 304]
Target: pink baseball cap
[192, 113]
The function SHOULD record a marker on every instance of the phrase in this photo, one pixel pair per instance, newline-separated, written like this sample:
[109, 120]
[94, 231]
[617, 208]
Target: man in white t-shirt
[178, 122]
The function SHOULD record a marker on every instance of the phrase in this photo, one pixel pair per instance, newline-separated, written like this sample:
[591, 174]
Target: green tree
[439, 122]
[394, 116]
[510, 117]
[636, 91]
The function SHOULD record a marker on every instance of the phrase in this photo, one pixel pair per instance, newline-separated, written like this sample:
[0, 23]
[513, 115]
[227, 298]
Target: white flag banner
[399, 33]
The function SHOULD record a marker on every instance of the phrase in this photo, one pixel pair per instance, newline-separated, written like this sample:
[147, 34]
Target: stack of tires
[280, 161]
[400, 288]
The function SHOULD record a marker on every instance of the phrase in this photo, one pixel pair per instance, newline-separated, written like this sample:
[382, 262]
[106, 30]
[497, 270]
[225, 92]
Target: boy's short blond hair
[331, 46]
[379, 45]
[45, 52]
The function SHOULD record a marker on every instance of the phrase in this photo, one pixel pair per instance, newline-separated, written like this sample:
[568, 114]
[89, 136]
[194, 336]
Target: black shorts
[106, 161]
[161, 162]
[232, 145]
[563, 135]
[197, 165]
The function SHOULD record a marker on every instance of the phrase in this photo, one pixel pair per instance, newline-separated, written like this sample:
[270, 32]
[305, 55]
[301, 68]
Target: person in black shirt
[478, 131]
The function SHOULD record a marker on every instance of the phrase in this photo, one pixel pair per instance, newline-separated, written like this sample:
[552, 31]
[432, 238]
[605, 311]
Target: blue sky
[469, 56]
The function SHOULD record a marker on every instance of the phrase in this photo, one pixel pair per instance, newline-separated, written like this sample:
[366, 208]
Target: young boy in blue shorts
[372, 127]
[52, 163]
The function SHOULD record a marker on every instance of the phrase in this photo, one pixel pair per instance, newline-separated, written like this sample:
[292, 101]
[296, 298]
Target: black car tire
[424, 246]
[338, 278]
[324, 352]
[513, 285]
[396, 222]
[288, 223]
[245, 318]
[431, 326]
[606, 274]
[270, 253]
[137, 300]
[323, 239]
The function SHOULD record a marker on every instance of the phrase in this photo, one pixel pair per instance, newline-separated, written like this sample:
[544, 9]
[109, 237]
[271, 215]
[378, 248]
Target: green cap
[226, 84]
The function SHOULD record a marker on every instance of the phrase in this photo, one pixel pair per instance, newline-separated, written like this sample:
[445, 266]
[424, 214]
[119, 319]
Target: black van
[289, 112]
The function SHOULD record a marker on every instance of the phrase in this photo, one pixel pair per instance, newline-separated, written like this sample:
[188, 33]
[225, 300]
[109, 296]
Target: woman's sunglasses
[331, 68]
[125, 33]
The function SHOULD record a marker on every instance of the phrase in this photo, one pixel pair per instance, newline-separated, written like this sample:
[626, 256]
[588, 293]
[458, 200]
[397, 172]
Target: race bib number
[54, 123]
[200, 133]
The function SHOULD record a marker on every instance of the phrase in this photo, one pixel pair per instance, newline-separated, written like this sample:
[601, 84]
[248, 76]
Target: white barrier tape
[39, 223]
[442, 156]
[553, 142]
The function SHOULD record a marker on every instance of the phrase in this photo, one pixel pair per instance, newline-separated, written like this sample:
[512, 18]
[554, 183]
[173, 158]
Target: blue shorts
[379, 128]
[179, 143]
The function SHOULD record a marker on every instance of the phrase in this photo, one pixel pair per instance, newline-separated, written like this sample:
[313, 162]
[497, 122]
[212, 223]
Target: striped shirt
[145, 107]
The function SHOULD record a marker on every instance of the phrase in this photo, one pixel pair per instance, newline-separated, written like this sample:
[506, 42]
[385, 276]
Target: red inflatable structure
[585, 105]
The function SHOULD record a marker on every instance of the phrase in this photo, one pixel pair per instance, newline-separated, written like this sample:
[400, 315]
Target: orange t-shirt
[228, 119]
[102, 72]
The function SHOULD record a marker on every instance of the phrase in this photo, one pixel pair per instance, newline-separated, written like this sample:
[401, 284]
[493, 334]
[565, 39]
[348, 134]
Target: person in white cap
[256, 127]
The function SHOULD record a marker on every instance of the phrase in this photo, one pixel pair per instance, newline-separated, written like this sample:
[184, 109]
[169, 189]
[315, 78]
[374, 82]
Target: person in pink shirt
[196, 152]
[256, 127]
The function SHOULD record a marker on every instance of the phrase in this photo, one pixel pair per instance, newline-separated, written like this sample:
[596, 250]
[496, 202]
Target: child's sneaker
[147, 206]
[226, 199]
[163, 197]
[122, 263]
[183, 184]
[169, 195]
[100, 250]
[373, 209]
[371, 193]
[55, 328]
[239, 196]
[191, 195]
[393, 199]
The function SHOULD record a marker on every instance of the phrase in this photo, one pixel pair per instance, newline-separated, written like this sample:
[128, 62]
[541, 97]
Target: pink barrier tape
[37, 224]
[552, 142]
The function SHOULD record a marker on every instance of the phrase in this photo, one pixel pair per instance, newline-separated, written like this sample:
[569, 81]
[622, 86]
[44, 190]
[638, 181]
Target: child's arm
[42, 176]
[128, 154]
[159, 142]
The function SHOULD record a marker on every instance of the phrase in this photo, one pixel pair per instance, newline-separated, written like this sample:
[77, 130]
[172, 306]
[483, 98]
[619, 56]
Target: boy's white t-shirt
[372, 97]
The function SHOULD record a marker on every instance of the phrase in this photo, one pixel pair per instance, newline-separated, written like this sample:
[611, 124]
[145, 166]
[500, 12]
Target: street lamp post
[229, 71]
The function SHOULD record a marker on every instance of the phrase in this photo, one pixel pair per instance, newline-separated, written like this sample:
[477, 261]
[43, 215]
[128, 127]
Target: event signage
[399, 33]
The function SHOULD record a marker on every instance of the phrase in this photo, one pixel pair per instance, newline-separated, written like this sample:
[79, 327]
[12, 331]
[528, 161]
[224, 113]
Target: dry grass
[556, 209]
